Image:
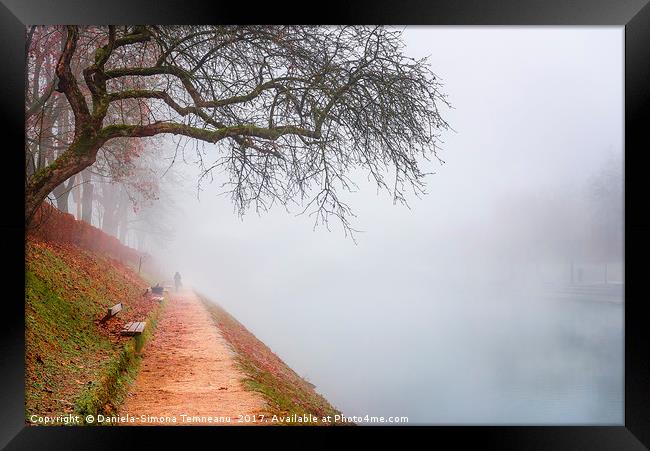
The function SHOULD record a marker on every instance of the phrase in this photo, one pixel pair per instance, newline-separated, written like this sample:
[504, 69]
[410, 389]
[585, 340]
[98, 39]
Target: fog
[449, 312]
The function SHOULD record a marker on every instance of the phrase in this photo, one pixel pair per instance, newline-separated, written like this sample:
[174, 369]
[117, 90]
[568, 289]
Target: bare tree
[288, 111]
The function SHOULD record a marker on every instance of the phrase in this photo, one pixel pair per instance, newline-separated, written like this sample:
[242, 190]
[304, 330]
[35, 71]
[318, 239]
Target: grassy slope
[285, 391]
[74, 362]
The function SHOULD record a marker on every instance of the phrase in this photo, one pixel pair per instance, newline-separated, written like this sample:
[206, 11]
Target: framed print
[390, 218]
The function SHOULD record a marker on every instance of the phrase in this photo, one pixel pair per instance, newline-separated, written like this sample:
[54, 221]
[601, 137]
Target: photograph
[324, 225]
[372, 225]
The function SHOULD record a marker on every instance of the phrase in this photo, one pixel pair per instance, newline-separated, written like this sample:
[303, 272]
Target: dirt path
[188, 368]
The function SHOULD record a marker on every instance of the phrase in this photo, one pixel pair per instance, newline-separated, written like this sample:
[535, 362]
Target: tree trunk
[62, 191]
[109, 200]
[141, 237]
[123, 231]
[87, 198]
[30, 163]
[62, 194]
[80, 155]
[123, 216]
[46, 140]
[76, 197]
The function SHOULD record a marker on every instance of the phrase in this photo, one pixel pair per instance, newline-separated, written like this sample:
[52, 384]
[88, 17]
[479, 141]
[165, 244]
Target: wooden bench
[133, 328]
[156, 297]
[112, 311]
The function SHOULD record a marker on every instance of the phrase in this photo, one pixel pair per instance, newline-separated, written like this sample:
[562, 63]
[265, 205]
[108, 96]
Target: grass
[104, 396]
[75, 363]
[286, 393]
[61, 342]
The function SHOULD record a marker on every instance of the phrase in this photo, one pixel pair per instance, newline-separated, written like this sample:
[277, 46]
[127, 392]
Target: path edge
[116, 380]
[290, 398]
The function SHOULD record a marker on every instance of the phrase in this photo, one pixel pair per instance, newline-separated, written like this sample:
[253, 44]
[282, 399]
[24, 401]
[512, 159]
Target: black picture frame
[634, 15]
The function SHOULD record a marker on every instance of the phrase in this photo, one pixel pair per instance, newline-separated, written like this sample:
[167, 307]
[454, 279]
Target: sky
[430, 313]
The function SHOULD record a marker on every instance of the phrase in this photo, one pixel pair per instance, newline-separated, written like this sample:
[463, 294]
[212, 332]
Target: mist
[455, 310]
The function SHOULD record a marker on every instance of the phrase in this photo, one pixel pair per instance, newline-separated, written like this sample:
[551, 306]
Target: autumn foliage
[73, 354]
[54, 226]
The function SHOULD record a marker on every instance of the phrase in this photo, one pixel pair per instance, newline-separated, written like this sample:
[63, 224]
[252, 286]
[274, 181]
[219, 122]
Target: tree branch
[68, 83]
[211, 136]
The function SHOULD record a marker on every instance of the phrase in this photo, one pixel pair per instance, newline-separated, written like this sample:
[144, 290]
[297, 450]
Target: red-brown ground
[188, 368]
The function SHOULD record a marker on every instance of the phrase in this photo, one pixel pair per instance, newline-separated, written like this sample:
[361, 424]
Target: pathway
[188, 368]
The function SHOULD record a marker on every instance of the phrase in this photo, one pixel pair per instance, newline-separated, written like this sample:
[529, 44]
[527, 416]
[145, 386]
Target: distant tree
[123, 175]
[291, 109]
[87, 196]
[605, 193]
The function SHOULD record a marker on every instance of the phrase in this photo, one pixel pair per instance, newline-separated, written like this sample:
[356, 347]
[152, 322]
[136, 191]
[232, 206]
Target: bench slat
[127, 326]
[134, 328]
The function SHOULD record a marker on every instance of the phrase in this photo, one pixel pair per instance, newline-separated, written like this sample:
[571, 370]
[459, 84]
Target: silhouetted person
[177, 280]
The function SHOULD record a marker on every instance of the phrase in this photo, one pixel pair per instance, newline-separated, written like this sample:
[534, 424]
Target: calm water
[457, 358]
